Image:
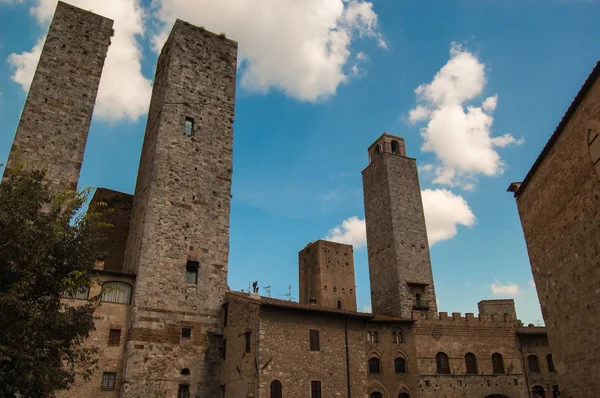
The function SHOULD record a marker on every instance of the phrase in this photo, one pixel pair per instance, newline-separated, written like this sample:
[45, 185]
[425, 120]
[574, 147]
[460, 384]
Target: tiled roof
[292, 305]
[572, 108]
[389, 318]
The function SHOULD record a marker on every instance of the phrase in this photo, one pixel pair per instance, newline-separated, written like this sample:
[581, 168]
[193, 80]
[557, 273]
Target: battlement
[469, 317]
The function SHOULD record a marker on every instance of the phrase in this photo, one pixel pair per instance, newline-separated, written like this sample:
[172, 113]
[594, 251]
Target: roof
[389, 318]
[570, 112]
[292, 305]
[531, 330]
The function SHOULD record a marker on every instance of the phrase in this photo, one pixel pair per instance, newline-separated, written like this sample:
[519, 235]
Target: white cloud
[508, 289]
[124, 93]
[351, 232]
[299, 47]
[361, 56]
[425, 167]
[459, 134]
[443, 212]
[506, 140]
[367, 308]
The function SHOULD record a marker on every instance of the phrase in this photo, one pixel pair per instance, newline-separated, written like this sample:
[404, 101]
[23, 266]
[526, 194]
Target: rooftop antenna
[268, 290]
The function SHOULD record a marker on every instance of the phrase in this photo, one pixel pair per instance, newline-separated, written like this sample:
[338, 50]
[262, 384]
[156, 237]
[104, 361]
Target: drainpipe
[347, 357]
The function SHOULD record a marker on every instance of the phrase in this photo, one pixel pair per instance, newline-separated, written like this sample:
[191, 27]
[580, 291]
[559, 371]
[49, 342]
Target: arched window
[395, 148]
[550, 362]
[471, 363]
[339, 305]
[497, 363]
[442, 363]
[397, 337]
[82, 294]
[276, 389]
[594, 148]
[534, 363]
[116, 292]
[404, 395]
[400, 365]
[538, 392]
[376, 394]
[374, 366]
[185, 372]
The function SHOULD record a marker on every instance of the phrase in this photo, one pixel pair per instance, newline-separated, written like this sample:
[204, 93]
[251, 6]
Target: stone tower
[178, 242]
[56, 117]
[399, 262]
[326, 273]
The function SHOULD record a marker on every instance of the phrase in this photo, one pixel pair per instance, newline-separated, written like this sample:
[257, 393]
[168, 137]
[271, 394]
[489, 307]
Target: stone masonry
[399, 262]
[326, 273]
[54, 124]
[181, 218]
[559, 206]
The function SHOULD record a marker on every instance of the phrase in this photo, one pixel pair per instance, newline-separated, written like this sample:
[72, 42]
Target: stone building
[560, 214]
[169, 327]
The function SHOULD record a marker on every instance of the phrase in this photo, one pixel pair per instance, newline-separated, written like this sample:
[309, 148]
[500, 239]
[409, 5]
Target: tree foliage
[47, 249]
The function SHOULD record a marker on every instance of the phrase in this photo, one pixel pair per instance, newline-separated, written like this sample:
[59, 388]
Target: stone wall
[54, 124]
[326, 273]
[399, 261]
[560, 216]
[500, 307]
[534, 341]
[181, 215]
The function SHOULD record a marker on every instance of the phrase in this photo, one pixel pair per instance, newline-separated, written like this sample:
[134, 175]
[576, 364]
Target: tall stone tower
[56, 117]
[178, 240]
[399, 262]
[326, 273]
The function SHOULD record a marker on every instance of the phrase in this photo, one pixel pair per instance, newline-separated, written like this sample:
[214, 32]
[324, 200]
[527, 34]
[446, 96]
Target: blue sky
[318, 82]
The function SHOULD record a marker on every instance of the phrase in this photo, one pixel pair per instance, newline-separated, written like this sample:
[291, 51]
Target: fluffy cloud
[508, 289]
[459, 134]
[352, 232]
[444, 211]
[299, 47]
[124, 93]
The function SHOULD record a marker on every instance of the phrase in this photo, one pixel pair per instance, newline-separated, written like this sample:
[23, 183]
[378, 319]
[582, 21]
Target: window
[442, 363]
[400, 365]
[186, 333]
[397, 337]
[189, 126]
[534, 363]
[184, 391]
[82, 294]
[497, 364]
[376, 394]
[191, 272]
[224, 349]
[225, 314]
[116, 292]
[315, 389]
[108, 381]
[185, 372]
[114, 337]
[276, 389]
[374, 366]
[594, 148]
[378, 149]
[550, 362]
[538, 392]
[315, 343]
[471, 363]
[427, 383]
[459, 383]
[395, 148]
[339, 305]
[248, 341]
[372, 337]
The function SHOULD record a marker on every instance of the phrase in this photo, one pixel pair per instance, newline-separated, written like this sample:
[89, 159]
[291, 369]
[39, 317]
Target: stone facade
[326, 274]
[560, 215]
[180, 220]
[534, 343]
[54, 124]
[399, 262]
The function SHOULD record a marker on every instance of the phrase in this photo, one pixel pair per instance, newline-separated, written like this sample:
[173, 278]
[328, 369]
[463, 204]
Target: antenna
[268, 290]
[288, 295]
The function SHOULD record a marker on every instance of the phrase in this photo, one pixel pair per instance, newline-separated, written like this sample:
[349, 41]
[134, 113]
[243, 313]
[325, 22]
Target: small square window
[114, 337]
[315, 343]
[427, 383]
[191, 272]
[108, 381]
[186, 333]
[189, 126]
[248, 341]
[315, 389]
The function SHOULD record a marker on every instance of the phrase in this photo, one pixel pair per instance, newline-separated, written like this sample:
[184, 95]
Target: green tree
[47, 249]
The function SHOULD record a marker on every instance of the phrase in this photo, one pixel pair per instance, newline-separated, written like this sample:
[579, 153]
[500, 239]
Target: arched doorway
[538, 392]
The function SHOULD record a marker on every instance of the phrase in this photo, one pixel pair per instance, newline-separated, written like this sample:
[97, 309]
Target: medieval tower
[56, 118]
[178, 243]
[399, 262]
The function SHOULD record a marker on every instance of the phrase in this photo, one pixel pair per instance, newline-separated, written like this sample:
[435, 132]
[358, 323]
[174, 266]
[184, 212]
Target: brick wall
[537, 344]
[54, 124]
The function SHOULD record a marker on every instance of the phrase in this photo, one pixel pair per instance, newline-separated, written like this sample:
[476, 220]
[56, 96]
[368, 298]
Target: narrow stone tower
[326, 273]
[56, 118]
[178, 242]
[399, 262]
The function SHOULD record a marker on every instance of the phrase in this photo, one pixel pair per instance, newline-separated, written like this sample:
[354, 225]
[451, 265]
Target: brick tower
[399, 262]
[178, 242]
[326, 273]
[56, 117]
